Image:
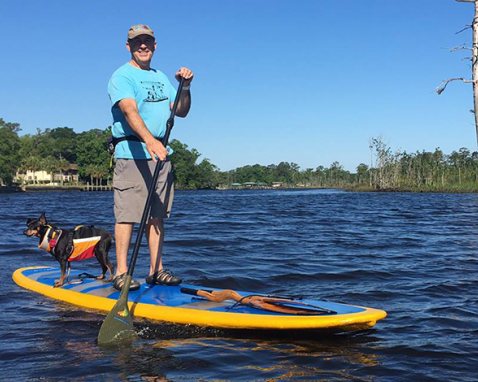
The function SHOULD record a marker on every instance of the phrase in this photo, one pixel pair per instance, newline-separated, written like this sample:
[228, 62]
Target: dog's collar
[50, 239]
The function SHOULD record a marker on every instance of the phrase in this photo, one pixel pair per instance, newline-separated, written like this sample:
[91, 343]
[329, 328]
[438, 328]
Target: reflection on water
[241, 358]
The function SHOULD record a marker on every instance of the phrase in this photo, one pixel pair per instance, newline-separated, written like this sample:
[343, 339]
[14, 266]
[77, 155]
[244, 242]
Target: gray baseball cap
[139, 29]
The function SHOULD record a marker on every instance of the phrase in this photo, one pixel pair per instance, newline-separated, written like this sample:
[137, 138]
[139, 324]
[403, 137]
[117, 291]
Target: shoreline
[46, 188]
[89, 188]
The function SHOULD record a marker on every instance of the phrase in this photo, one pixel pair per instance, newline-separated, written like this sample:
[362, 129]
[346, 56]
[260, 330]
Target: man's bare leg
[123, 232]
[155, 235]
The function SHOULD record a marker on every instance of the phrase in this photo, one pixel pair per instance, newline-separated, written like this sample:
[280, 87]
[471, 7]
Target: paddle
[269, 303]
[118, 324]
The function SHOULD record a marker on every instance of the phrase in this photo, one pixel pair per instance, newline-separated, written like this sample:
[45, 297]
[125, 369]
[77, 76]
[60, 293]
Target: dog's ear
[42, 218]
[30, 220]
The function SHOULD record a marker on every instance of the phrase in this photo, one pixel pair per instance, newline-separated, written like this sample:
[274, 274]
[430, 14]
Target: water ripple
[414, 255]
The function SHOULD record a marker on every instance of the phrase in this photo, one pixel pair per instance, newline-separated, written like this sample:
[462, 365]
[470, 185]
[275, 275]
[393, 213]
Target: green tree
[284, 172]
[55, 166]
[27, 147]
[206, 175]
[184, 162]
[255, 173]
[362, 173]
[9, 151]
[307, 176]
[64, 143]
[32, 163]
[92, 156]
[188, 172]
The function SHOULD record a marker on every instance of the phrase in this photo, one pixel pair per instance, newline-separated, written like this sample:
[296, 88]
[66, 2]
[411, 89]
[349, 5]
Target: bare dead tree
[474, 63]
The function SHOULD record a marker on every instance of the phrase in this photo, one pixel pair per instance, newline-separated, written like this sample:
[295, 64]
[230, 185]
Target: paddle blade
[118, 326]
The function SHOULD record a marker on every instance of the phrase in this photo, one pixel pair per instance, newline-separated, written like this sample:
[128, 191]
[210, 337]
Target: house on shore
[69, 175]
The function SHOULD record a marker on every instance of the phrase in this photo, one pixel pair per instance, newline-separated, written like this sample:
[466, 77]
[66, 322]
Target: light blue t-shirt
[153, 93]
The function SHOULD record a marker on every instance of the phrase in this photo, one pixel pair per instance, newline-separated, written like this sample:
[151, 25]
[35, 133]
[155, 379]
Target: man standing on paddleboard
[142, 99]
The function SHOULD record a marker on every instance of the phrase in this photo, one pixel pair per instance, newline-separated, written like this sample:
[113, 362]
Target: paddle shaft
[152, 185]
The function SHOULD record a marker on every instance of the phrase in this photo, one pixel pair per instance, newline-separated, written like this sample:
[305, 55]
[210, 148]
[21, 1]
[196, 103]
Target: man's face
[142, 48]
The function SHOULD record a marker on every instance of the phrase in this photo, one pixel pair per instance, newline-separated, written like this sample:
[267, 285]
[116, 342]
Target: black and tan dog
[82, 242]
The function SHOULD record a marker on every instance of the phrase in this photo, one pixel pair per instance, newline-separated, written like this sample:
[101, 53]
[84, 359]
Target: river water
[413, 255]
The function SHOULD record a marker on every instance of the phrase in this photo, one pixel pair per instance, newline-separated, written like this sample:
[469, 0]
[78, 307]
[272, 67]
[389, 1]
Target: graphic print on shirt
[155, 91]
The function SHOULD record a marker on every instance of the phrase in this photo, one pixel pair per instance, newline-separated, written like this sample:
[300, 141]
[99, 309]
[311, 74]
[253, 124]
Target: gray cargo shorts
[131, 180]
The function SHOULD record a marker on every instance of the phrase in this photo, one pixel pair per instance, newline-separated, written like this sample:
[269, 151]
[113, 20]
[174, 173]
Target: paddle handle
[152, 185]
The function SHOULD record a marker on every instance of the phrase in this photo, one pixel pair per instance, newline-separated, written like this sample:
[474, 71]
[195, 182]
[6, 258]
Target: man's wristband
[186, 87]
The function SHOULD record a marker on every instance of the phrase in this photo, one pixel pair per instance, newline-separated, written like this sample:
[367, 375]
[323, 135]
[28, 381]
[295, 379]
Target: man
[142, 98]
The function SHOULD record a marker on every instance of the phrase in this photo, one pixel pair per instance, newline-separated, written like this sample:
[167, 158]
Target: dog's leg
[61, 281]
[101, 253]
[111, 269]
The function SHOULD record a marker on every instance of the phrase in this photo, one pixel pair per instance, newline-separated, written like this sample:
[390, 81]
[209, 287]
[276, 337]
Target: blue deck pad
[170, 296]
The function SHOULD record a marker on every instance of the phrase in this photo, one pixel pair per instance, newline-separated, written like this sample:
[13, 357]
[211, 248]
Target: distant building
[45, 177]
[30, 176]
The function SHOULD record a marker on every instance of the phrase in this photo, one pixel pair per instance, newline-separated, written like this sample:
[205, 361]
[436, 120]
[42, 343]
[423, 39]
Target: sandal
[163, 277]
[118, 283]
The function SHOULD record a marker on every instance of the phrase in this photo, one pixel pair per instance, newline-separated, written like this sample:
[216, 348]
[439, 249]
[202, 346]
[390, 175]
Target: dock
[92, 187]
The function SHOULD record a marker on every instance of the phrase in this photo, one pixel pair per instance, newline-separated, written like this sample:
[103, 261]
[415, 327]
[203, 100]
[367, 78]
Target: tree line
[422, 171]
[388, 171]
[56, 150]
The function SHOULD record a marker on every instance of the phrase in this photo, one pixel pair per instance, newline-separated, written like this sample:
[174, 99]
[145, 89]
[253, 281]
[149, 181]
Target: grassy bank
[454, 188]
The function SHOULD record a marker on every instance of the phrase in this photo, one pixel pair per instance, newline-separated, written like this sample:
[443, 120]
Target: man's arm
[130, 111]
[184, 103]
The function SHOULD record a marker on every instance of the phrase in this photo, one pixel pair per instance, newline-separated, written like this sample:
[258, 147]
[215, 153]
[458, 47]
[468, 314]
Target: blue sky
[303, 81]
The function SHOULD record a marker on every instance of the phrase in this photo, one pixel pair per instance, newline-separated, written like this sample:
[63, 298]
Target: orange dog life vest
[84, 248]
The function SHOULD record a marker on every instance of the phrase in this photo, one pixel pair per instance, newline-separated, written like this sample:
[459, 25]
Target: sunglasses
[136, 42]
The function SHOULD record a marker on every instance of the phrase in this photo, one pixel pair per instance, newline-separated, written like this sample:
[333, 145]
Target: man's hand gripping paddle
[118, 324]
